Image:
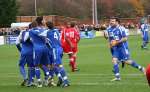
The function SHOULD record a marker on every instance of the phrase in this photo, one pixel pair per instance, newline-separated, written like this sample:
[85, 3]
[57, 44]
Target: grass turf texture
[94, 60]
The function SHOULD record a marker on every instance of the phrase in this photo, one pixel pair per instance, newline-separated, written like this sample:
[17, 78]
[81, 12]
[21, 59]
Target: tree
[138, 6]
[8, 12]
[146, 4]
[124, 9]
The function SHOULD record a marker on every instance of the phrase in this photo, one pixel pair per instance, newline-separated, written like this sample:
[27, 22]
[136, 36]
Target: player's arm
[18, 42]
[69, 41]
[142, 27]
[26, 37]
[123, 39]
[43, 34]
[49, 43]
[105, 33]
[124, 36]
[67, 38]
[40, 33]
[77, 36]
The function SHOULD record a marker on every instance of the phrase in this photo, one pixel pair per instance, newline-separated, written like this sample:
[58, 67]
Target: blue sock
[37, 73]
[63, 75]
[51, 73]
[134, 64]
[23, 72]
[144, 44]
[31, 73]
[116, 70]
[56, 71]
[46, 71]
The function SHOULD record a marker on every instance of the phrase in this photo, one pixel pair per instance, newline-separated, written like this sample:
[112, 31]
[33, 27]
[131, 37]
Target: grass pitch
[94, 61]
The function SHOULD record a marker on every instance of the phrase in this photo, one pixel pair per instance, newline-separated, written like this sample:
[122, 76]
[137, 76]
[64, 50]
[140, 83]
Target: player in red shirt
[70, 38]
[148, 74]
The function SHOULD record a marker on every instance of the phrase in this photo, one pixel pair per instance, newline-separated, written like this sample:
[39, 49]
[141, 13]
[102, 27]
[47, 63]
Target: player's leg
[37, 59]
[115, 56]
[45, 66]
[49, 79]
[56, 70]
[74, 56]
[126, 57]
[75, 50]
[51, 65]
[73, 63]
[61, 73]
[145, 40]
[31, 70]
[31, 75]
[22, 63]
[116, 69]
[143, 43]
[51, 75]
[135, 65]
[69, 51]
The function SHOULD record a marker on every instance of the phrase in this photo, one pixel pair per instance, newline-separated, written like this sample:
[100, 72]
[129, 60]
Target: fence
[57, 20]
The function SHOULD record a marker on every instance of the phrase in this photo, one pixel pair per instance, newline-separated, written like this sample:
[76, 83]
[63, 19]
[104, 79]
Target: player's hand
[72, 46]
[114, 43]
[78, 39]
[105, 34]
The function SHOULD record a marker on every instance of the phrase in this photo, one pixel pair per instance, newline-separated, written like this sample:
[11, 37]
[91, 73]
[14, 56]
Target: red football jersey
[73, 35]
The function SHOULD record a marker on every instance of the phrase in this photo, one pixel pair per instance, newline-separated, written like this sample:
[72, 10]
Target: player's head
[39, 20]
[50, 24]
[30, 25]
[72, 24]
[67, 24]
[114, 21]
[34, 24]
[145, 21]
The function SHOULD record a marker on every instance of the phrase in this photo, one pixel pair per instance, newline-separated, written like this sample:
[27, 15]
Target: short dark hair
[72, 23]
[116, 18]
[34, 24]
[49, 24]
[30, 25]
[39, 20]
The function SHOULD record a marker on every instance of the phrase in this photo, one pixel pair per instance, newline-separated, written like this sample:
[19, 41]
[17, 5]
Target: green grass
[94, 61]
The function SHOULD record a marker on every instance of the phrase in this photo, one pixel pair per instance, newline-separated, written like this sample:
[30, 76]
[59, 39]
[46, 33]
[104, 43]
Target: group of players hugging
[41, 47]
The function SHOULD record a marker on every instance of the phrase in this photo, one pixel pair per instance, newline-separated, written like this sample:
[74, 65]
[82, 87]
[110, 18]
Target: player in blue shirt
[25, 47]
[119, 47]
[57, 53]
[40, 50]
[144, 30]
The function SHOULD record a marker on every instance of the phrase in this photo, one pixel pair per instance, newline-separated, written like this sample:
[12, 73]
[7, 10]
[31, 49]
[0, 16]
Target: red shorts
[68, 49]
[148, 74]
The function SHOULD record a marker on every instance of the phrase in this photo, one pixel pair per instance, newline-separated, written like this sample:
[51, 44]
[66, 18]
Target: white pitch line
[89, 84]
[84, 74]
[11, 75]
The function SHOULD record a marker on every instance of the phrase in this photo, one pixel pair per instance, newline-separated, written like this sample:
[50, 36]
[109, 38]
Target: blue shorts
[50, 55]
[145, 37]
[57, 56]
[121, 53]
[41, 56]
[26, 59]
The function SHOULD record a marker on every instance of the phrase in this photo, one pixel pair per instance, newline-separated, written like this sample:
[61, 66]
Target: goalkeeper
[119, 47]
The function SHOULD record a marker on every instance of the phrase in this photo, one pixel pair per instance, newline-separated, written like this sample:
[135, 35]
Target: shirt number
[56, 36]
